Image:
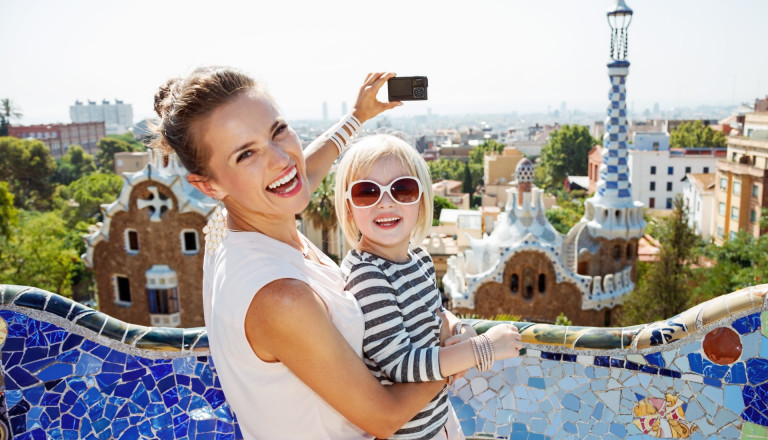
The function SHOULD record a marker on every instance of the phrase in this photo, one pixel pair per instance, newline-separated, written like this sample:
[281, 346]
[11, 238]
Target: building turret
[611, 212]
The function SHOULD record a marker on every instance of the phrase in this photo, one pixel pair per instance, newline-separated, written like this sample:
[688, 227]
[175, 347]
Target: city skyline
[494, 57]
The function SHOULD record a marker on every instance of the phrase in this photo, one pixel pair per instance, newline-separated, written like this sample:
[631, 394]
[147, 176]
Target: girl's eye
[244, 155]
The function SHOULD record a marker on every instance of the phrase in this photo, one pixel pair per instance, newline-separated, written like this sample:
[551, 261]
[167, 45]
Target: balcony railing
[72, 372]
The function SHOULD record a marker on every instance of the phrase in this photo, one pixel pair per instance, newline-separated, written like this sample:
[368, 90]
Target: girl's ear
[205, 186]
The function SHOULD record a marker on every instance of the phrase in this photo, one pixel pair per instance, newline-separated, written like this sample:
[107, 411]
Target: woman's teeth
[282, 181]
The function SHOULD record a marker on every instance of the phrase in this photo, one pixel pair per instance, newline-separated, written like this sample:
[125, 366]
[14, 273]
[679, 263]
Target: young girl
[384, 205]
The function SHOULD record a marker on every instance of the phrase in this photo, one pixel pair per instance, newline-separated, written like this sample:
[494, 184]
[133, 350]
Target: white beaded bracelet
[343, 131]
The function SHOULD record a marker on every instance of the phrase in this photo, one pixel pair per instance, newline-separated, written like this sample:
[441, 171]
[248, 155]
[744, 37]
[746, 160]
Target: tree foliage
[128, 138]
[440, 203]
[8, 110]
[696, 135]
[566, 153]
[738, 263]
[665, 290]
[321, 211]
[107, 147]
[41, 252]
[569, 211]
[81, 200]
[7, 212]
[28, 167]
[75, 164]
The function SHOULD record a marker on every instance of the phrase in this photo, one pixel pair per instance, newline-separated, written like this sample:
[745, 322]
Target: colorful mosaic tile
[73, 373]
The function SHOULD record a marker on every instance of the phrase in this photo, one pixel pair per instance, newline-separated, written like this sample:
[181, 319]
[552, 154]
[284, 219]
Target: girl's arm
[387, 343]
[322, 152]
[289, 323]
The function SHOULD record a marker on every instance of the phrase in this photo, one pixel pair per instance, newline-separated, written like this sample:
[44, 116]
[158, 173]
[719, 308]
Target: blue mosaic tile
[747, 324]
[655, 359]
[757, 370]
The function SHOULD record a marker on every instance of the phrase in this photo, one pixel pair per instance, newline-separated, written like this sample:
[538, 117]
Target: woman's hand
[506, 340]
[367, 106]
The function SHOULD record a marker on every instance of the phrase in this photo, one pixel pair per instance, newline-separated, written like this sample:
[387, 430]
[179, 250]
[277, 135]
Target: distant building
[130, 162]
[451, 190]
[59, 137]
[117, 117]
[498, 174]
[148, 253]
[740, 186]
[699, 195]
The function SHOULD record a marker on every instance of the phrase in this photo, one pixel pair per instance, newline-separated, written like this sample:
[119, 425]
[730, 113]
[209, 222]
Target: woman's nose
[278, 158]
[386, 200]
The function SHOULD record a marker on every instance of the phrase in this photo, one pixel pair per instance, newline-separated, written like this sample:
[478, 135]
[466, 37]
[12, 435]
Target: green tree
[7, 212]
[665, 290]
[569, 211]
[129, 139]
[81, 200]
[696, 135]
[107, 147]
[440, 204]
[41, 252]
[9, 111]
[466, 181]
[28, 167]
[75, 164]
[566, 153]
[321, 212]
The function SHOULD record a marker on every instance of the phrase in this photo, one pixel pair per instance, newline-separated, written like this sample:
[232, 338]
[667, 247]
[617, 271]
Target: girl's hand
[467, 332]
[367, 106]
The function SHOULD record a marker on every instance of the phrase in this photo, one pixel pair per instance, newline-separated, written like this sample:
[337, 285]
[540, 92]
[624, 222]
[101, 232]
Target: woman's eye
[243, 155]
[280, 129]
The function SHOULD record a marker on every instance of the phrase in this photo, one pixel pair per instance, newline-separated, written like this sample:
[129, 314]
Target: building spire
[612, 213]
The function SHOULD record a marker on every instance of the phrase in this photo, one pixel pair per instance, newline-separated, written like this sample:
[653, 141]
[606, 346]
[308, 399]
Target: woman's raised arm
[322, 152]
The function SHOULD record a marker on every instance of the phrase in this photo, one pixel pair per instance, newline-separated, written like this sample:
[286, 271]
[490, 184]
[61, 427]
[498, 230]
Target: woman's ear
[205, 186]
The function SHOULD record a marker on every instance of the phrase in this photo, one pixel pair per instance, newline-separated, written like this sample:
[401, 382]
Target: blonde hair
[359, 160]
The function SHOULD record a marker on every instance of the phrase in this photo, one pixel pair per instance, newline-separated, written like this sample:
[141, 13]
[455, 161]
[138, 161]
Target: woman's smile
[287, 185]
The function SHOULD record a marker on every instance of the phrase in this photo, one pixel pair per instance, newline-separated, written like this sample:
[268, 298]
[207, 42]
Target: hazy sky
[481, 56]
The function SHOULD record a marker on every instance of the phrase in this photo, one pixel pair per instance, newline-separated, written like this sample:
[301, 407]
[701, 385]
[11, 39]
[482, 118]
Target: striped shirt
[399, 302]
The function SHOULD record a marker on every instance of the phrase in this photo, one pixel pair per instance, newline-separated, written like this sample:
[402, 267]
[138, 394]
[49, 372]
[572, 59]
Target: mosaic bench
[74, 373]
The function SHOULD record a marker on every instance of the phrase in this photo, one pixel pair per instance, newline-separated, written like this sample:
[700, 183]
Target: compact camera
[407, 88]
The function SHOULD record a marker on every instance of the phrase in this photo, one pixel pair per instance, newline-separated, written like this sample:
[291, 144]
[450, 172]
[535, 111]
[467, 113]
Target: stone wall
[71, 372]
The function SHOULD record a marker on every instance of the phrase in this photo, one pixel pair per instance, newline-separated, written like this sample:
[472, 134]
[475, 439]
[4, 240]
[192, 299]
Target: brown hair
[182, 103]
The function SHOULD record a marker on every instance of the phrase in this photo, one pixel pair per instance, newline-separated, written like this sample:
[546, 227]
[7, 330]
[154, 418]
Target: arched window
[131, 241]
[514, 283]
[542, 283]
[617, 252]
[629, 252]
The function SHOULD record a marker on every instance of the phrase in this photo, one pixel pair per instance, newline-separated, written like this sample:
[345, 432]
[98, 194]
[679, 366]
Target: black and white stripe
[399, 302]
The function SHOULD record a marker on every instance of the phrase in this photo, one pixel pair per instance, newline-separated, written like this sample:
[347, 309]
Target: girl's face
[386, 226]
[257, 161]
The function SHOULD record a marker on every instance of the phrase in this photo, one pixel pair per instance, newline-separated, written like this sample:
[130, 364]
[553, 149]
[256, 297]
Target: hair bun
[165, 96]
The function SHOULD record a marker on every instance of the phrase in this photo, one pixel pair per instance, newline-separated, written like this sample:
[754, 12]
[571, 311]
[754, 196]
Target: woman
[286, 340]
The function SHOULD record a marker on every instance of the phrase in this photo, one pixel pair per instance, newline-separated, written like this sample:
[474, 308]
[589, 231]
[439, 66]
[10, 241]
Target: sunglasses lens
[365, 194]
[405, 190]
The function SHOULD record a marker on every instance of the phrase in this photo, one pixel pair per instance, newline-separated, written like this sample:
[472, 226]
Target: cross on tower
[155, 204]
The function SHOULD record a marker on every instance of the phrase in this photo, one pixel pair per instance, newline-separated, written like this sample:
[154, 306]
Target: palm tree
[320, 211]
[9, 111]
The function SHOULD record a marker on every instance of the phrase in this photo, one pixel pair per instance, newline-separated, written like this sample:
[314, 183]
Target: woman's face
[257, 162]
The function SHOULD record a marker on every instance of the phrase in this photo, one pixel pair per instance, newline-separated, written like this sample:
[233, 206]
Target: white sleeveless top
[269, 400]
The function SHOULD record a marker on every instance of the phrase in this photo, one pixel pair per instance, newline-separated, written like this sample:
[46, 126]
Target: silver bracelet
[493, 352]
